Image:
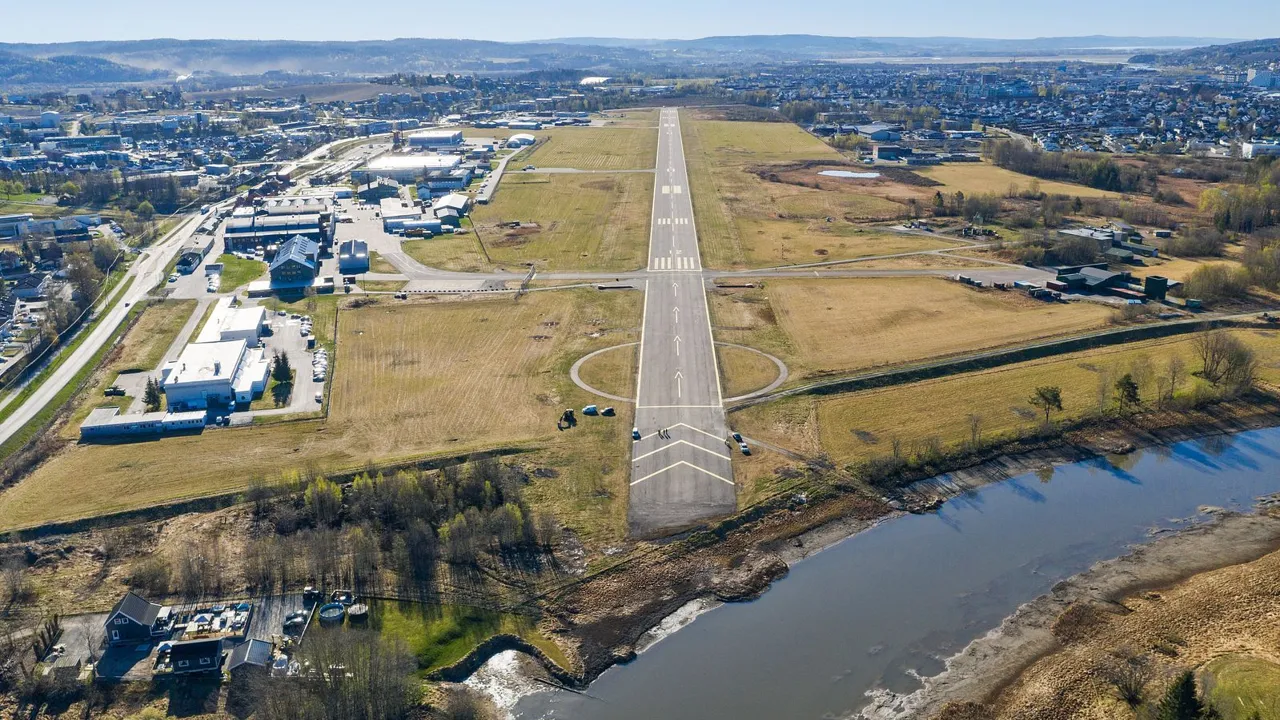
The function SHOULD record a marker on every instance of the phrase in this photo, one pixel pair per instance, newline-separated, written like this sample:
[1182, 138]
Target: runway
[681, 470]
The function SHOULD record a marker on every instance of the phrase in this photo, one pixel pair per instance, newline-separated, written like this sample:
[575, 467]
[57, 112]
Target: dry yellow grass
[634, 117]
[1177, 268]
[745, 221]
[864, 424]
[412, 380]
[832, 326]
[584, 222]
[595, 148]
[983, 177]
[613, 372]
[459, 251]
[743, 371]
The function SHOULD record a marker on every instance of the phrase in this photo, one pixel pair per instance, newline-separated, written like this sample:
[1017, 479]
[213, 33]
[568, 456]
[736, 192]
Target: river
[887, 606]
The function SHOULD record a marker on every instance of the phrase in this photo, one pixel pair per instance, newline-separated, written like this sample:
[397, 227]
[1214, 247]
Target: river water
[889, 605]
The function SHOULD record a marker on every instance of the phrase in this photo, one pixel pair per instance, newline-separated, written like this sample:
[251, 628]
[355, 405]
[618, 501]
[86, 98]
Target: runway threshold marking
[676, 465]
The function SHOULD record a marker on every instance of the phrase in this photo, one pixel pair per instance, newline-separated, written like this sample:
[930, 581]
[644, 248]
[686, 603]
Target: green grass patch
[238, 271]
[1239, 686]
[439, 635]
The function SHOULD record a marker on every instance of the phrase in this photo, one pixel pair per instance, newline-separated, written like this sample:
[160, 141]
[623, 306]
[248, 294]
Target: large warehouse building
[404, 168]
[227, 323]
[436, 139]
[215, 374]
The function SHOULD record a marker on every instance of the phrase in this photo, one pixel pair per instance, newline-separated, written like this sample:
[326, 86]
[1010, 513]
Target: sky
[511, 20]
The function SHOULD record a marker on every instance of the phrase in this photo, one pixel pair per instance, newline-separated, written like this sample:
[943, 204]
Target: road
[146, 272]
[683, 475]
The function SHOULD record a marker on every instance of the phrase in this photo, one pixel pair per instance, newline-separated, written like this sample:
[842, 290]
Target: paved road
[684, 476]
[146, 273]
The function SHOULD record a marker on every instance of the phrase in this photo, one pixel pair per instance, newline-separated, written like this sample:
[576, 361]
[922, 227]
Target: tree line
[1093, 170]
[381, 532]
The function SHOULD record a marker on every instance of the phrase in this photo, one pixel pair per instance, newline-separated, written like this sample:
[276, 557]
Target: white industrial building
[520, 140]
[404, 168]
[227, 323]
[1258, 149]
[436, 139]
[215, 373]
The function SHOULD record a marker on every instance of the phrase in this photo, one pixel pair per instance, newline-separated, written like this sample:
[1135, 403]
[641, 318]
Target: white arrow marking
[675, 289]
[677, 346]
[679, 377]
[676, 310]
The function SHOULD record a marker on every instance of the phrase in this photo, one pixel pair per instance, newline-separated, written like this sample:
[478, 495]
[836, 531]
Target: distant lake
[887, 606]
[850, 174]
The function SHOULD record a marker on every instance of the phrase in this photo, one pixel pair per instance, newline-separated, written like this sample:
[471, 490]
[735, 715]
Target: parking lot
[286, 337]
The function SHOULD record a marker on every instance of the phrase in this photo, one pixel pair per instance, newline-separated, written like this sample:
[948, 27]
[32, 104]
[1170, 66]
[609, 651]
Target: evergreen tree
[280, 371]
[152, 395]
[1181, 701]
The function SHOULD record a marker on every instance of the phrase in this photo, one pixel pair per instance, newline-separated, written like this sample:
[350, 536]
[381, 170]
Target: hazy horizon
[81, 20]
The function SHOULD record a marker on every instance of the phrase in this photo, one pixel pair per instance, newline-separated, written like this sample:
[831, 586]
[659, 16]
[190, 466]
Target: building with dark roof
[254, 230]
[135, 620]
[249, 656]
[196, 656]
[296, 262]
[353, 257]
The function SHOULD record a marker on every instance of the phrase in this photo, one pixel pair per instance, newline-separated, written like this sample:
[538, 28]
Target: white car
[173, 277]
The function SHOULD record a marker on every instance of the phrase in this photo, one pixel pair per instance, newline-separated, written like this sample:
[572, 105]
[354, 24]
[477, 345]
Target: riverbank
[976, 679]
[603, 619]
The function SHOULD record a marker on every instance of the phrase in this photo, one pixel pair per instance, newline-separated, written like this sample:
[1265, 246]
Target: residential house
[32, 285]
[196, 656]
[135, 620]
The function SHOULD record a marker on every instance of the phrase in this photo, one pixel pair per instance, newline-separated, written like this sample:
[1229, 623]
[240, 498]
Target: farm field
[832, 326]
[863, 424]
[140, 350]
[747, 221]
[572, 222]
[594, 148]
[411, 380]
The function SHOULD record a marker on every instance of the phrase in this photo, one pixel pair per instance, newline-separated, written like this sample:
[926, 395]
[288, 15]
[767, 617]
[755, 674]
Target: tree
[1127, 392]
[151, 398]
[145, 210]
[280, 370]
[1047, 398]
[1128, 673]
[1181, 701]
[1226, 360]
[104, 255]
[85, 278]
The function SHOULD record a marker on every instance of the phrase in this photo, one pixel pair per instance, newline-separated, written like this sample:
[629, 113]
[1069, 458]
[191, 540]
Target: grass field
[821, 327]
[583, 222]
[1177, 268]
[636, 117]
[1243, 685]
[743, 371]
[238, 271]
[383, 285]
[613, 372]
[410, 380]
[983, 177]
[379, 264]
[460, 251]
[140, 350]
[439, 635]
[864, 424]
[746, 221]
[595, 148]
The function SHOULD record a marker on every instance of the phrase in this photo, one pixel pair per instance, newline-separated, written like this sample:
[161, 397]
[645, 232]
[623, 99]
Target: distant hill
[62, 70]
[605, 55]
[1250, 53]
[252, 57]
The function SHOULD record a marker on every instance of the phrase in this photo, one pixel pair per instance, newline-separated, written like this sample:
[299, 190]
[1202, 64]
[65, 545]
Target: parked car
[743, 447]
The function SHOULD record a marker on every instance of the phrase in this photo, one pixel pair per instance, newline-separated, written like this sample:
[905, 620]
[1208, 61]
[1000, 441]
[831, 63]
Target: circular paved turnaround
[577, 379]
[782, 373]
